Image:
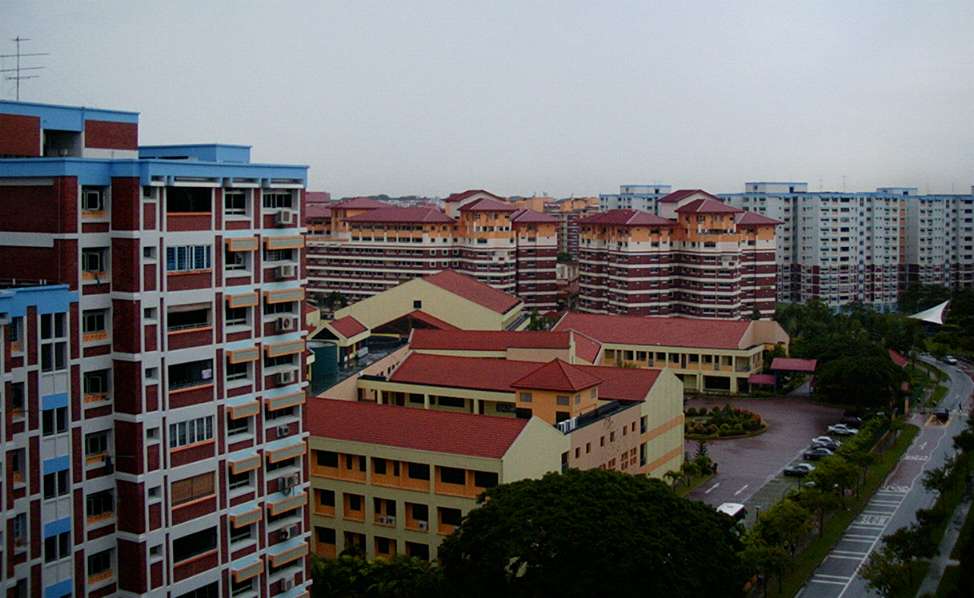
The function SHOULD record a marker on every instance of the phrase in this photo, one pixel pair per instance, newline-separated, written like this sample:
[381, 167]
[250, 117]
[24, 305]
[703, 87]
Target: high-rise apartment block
[634, 197]
[864, 247]
[367, 247]
[154, 439]
[699, 258]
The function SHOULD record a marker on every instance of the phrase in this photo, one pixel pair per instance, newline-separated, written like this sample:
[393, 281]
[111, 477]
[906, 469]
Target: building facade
[364, 247]
[634, 197]
[186, 376]
[698, 258]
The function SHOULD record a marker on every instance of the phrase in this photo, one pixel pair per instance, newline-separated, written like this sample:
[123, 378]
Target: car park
[799, 470]
[843, 430]
[815, 454]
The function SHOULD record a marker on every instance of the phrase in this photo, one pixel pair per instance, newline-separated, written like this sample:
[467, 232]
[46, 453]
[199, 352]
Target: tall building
[180, 365]
[569, 211]
[364, 247]
[634, 197]
[699, 258]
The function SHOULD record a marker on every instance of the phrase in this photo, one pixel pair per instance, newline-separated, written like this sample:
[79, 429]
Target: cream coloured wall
[536, 451]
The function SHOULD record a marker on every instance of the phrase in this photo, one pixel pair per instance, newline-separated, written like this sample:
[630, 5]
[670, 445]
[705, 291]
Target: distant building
[634, 197]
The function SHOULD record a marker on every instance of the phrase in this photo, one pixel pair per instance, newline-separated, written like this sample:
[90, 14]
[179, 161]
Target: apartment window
[526, 397]
[194, 488]
[186, 317]
[238, 371]
[192, 373]
[96, 383]
[355, 462]
[354, 502]
[562, 400]
[326, 458]
[193, 545]
[94, 260]
[20, 529]
[56, 484]
[241, 534]
[485, 479]
[236, 260]
[188, 258]
[236, 316]
[53, 352]
[418, 471]
[271, 362]
[238, 426]
[235, 203]
[54, 421]
[452, 475]
[94, 321]
[285, 307]
[92, 200]
[326, 498]
[57, 547]
[191, 431]
[188, 199]
[100, 504]
[96, 444]
[278, 255]
[238, 480]
[100, 564]
[277, 200]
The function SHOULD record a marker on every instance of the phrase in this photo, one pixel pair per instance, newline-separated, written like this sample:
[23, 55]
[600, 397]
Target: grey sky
[522, 97]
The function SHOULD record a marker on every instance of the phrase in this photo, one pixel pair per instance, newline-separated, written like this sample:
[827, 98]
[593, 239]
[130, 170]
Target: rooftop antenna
[17, 76]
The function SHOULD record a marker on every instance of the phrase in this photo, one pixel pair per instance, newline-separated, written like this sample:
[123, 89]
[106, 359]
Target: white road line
[832, 576]
[837, 583]
[841, 556]
[849, 552]
[711, 489]
[743, 488]
[864, 539]
[923, 446]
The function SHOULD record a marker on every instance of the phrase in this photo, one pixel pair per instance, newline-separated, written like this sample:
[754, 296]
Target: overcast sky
[521, 97]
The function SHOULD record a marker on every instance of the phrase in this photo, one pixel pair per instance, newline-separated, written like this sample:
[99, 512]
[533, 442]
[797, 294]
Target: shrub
[691, 412]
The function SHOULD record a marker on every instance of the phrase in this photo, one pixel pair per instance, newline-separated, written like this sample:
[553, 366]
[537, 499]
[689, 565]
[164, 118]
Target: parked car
[799, 470]
[950, 359]
[943, 414]
[735, 511]
[814, 454]
[852, 421]
[843, 430]
[827, 442]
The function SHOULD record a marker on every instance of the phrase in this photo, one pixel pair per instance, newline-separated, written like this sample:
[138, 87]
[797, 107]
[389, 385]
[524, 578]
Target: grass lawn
[950, 580]
[938, 395]
[815, 552]
[696, 481]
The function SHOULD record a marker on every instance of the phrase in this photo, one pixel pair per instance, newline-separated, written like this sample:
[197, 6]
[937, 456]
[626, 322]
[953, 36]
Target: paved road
[896, 504]
[748, 468]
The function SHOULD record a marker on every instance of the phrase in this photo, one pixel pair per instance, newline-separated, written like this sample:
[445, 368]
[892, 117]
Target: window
[285, 307]
[278, 255]
[418, 471]
[241, 534]
[54, 421]
[238, 426]
[271, 362]
[93, 260]
[57, 547]
[236, 316]
[91, 200]
[187, 258]
[452, 475]
[417, 304]
[277, 199]
[94, 321]
[190, 489]
[96, 383]
[191, 373]
[187, 199]
[54, 357]
[236, 260]
[526, 397]
[192, 545]
[56, 484]
[155, 493]
[100, 504]
[326, 498]
[450, 516]
[191, 431]
[485, 479]
[326, 458]
[562, 400]
[238, 480]
[100, 563]
[188, 317]
[355, 462]
[96, 444]
[235, 203]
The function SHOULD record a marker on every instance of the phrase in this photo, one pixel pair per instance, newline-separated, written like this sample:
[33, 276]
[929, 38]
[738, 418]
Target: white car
[825, 440]
[843, 430]
[950, 359]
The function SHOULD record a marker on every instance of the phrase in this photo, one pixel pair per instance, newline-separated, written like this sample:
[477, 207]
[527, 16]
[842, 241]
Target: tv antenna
[18, 69]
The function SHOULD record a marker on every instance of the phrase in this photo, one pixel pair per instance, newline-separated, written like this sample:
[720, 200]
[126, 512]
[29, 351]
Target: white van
[735, 511]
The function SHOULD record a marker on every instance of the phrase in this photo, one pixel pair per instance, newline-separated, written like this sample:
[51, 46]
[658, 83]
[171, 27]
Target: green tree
[835, 474]
[764, 559]
[886, 573]
[908, 544]
[593, 533]
[819, 502]
[354, 577]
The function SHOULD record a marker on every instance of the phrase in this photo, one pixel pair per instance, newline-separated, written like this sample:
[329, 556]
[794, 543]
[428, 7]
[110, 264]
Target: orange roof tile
[453, 197]
[680, 194]
[557, 375]
[626, 217]
[487, 340]
[419, 429]
[473, 290]
[488, 204]
[348, 326]
[418, 214]
[754, 219]
[672, 332]
[707, 206]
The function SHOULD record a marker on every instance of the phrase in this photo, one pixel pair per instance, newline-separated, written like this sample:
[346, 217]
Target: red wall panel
[20, 135]
[103, 134]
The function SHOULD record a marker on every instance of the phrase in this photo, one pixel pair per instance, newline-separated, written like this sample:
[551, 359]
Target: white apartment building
[634, 197]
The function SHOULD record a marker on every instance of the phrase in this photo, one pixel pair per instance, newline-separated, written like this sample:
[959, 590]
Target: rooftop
[708, 205]
[348, 326]
[754, 219]
[793, 364]
[418, 429]
[626, 217]
[489, 204]
[660, 331]
[473, 290]
[681, 194]
[411, 215]
[525, 216]
[359, 203]
[557, 375]
[453, 197]
[487, 340]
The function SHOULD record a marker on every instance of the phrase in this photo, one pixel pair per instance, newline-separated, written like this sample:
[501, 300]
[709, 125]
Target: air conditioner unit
[286, 271]
[296, 479]
[285, 534]
[284, 218]
[422, 525]
[285, 324]
[287, 377]
[287, 584]
[391, 520]
[283, 430]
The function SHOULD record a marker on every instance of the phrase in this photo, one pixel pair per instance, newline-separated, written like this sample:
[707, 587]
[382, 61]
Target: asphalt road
[896, 504]
[749, 468]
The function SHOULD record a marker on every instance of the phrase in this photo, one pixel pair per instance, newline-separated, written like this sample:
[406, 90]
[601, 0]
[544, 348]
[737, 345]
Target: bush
[691, 412]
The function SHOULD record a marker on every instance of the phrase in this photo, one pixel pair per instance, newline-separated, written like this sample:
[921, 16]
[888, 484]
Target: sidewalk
[943, 560]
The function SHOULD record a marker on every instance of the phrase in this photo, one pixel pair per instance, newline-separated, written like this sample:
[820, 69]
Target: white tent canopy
[934, 315]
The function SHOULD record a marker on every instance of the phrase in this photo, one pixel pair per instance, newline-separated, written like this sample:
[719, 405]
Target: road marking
[895, 490]
[916, 457]
[923, 446]
[864, 539]
[743, 488]
[837, 583]
[832, 576]
[711, 489]
[852, 552]
[848, 558]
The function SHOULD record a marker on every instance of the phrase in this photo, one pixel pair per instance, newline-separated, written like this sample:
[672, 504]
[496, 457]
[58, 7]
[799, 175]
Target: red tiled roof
[586, 347]
[680, 194]
[317, 197]
[487, 340]
[672, 332]
[754, 219]
[359, 203]
[462, 372]
[473, 290]
[397, 214]
[488, 204]
[469, 193]
[504, 375]
[557, 375]
[898, 359]
[707, 206]
[419, 429]
[626, 217]
[307, 308]
[348, 326]
[422, 316]
[317, 211]
[793, 364]
[525, 216]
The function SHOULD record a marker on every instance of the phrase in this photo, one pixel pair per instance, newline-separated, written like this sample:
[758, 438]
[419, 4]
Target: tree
[593, 533]
[764, 559]
[939, 479]
[818, 502]
[354, 577]
[911, 543]
[673, 477]
[886, 573]
[835, 473]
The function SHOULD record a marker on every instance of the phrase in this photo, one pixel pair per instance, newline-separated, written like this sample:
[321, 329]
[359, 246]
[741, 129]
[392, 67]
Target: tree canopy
[593, 533]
